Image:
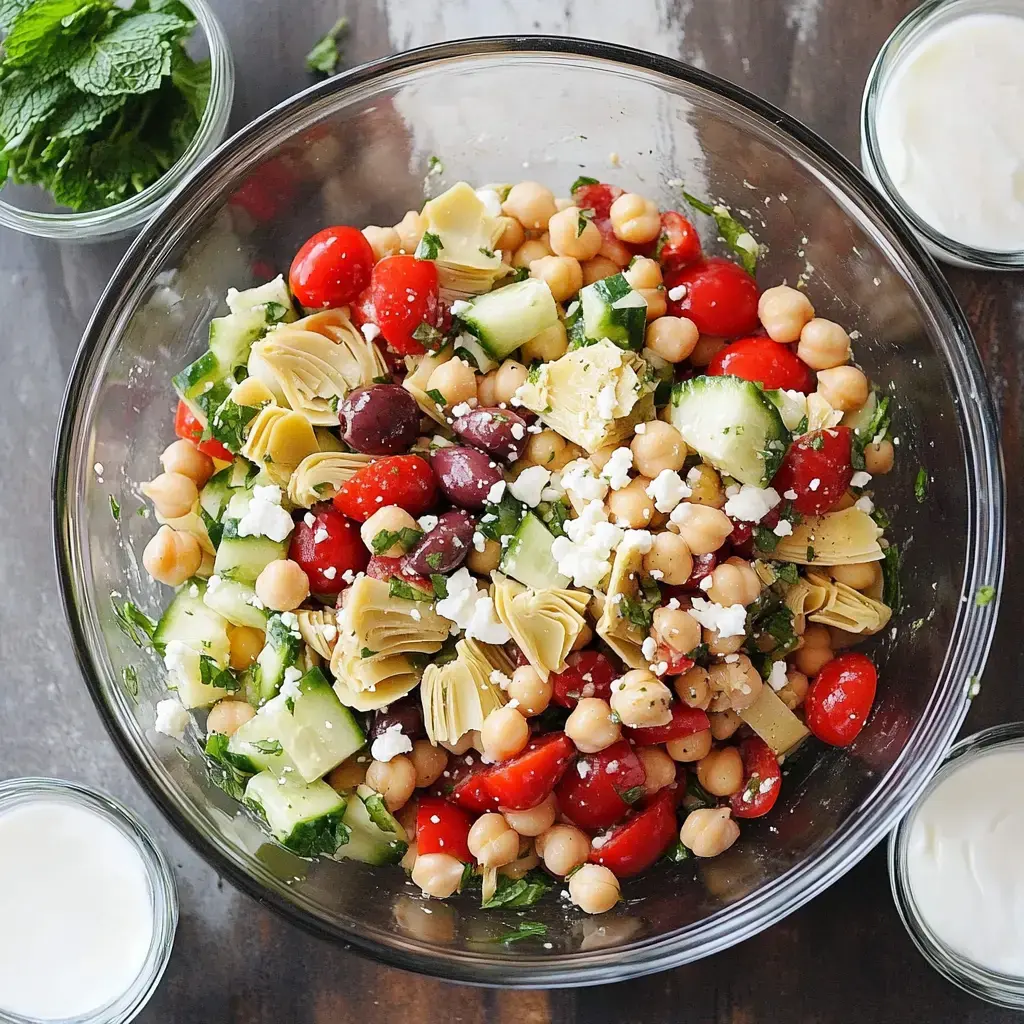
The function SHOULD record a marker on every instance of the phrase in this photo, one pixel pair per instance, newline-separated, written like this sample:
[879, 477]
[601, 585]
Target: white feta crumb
[789, 495]
[677, 293]
[427, 523]
[751, 504]
[265, 517]
[518, 431]
[727, 621]
[330, 632]
[616, 469]
[607, 400]
[348, 576]
[193, 591]
[309, 519]
[706, 583]
[530, 484]
[171, 718]
[497, 489]
[463, 408]
[667, 489]
[649, 648]
[370, 331]
[673, 604]
[731, 659]
[777, 676]
[865, 504]
[390, 743]
[860, 479]
[472, 610]
[783, 528]
[330, 572]
[320, 536]
[580, 478]
[814, 484]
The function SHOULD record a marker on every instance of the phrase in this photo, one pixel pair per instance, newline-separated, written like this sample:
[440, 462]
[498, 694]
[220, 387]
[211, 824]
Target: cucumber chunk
[282, 651]
[307, 819]
[528, 556]
[244, 558]
[203, 385]
[253, 748]
[252, 312]
[376, 835]
[503, 320]
[610, 308]
[216, 494]
[188, 619]
[234, 601]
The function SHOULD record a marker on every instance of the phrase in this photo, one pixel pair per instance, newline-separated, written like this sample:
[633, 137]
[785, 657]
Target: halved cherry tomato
[525, 780]
[818, 469]
[187, 426]
[678, 244]
[766, 363]
[331, 268]
[720, 298]
[442, 828]
[762, 780]
[597, 197]
[404, 292]
[685, 722]
[361, 309]
[338, 550]
[587, 674]
[380, 567]
[676, 662]
[403, 480]
[636, 844]
[462, 783]
[840, 698]
[602, 787]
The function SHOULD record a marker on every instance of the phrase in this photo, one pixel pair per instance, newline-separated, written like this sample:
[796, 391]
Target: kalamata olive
[465, 475]
[380, 420]
[499, 432]
[445, 547]
[405, 712]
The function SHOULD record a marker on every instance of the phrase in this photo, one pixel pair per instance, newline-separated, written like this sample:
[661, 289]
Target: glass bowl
[32, 210]
[356, 149]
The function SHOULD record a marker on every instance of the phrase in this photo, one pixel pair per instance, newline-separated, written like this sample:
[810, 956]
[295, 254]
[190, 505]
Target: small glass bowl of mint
[104, 109]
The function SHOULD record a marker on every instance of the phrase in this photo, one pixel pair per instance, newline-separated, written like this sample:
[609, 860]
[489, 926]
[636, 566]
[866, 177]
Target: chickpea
[546, 347]
[724, 724]
[660, 769]
[641, 700]
[634, 219]
[245, 646]
[438, 874]
[562, 275]
[351, 773]
[383, 241]
[709, 831]
[390, 519]
[455, 379]
[395, 780]
[591, 725]
[720, 771]
[428, 761]
[721, 645]
[484, 392]
[408, 861]
[532, 692]
[572, 234]
[536, 820]
[672, 337]
[879, 458]
[670, 557]
[644, 276]
[172, 494]
[815, 650]
[795, 690]
[410, 230]
[783, 311]
[858, 575]
[509, 377]
[659, 446]
[184, 458]
[693, 688]
[483, 562]
[282, 585]
[676, 628]
[735, 685]
[586, 634]
[172, 557]
[823, 345]
[734, 582]
[504, 733]
[843, 387]
[599, 459]
[531, 204]
[594, 889]
[631, 506]
[526, 861]
[619, 253]
[562, 848]
[702, 527]
[687, 749]
[705, 350]
[512, 235]
[530, 251]
[598, 268]
[228, 716]
[492, 841]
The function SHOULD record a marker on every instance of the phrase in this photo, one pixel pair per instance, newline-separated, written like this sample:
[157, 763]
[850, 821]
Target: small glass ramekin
[930, 16]
[992, 986]
[129, 1004]
[123, 219]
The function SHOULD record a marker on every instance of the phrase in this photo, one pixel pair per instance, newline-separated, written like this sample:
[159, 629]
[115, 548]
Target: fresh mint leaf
[115, 508]
[212, 674]
[80, 114]
[229, 772]
[735, 234]
[640, 610]
[787, 572]
[437, 398]
[430, 246]
[268, 746]
[677, 853]
[130, 678]
[520, 893]
[26, 103]
[765, 539]
[523, 930]
[440, 584]
[131, 58]
[502, 518]
[407, 592]
[192, 78]
[228, 424]
[435, 559]
[35, 29]
[428, 335]
[9, 10]
[135, 624]
[324, 56]
[407, 538]
[580, 182]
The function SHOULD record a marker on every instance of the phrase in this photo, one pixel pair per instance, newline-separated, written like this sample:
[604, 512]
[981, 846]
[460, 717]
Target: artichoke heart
[624, 637]
[544, 623]
[191, 522]
[318, 477]
[836, 538]
[278, 441]
[802, 599]
[319, 628]
[420, 369]
[848, 609]
[774, 722]
[459, 695]
[820, 414]
[594, 396]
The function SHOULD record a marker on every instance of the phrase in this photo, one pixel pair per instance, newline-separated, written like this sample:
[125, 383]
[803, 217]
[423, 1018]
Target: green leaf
[502, 518]
[430, 246]
[366, 653]
[379, 814]
[268, 746]
[765, 539]
[440, 584]
[631, 796]
[35, 29]
[523, 930]
[984, 596]
[213, 675]
[227, 771]
[437, 398]
[787, 572]
[406, 537]
[516, 894]
[892, 589]
[696, 794]
[192, 78]
[25, 104]
[130, 58]
[677, 853]
[5, 166]
[80, 114]
[324, 56]
[228, 424]
[921, 485]
[580, 182]
[554, 515]
[115, 508]
[640, 610]
[130, 678]
[407, 592]
[9, 10]
[428, 335]
[135, 624]
[736, 235]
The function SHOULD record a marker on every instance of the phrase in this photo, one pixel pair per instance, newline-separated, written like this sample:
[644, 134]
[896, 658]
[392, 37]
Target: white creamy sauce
[951, 133]
[75, 907]
[964, 861]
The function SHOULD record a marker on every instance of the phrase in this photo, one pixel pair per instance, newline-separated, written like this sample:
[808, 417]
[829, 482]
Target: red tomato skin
[188, 427]
[448, 834]
[685, 722]
[679, 244]
[758, 760]
[830, 465]
[594, 801]
[839, 699]
[403, 480]
[766, 363]
[404, 293]
[568, 685]
[677, 661]
[597, 197]
[721, 297]
[525, 780]
[342, 550]
[636, 844]
[331, 268]
[462, 783]
[361, 309]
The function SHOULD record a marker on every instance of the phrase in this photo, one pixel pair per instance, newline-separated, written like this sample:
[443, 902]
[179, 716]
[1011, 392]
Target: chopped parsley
[810, 553]
[435, 165]
[440, 584]
[437, 398]
[325, 55]
[435, 559]
[268, 746]
[677, 853]
[523, 930]
[484, 251]
[516, 894]
[735, 235]
[640, 610]
[984, 596]
[366, 653]
[407, 538]
[135, 624]
[115, 509]
[407, 592]
[580, 182]
[817, 442]
[212, 674]
[130, 678]
[428, 335]
[921, 485]
[430, 246]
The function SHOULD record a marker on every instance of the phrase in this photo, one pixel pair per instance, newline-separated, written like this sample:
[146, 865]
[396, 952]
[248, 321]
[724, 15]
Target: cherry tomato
[361, 309]
[703, 565]
[685, 722]
[442, 828]
[597, 197]
[636, 844]
[817, 468]
[587, 674]
[526, 779]
[720, 298]
[404, 292]
[331, 268]
[462, 783]
[676, 661]
[679, 244]
[601, 787]
[325, 561]
[380, 567]
[840, 698]
[267, 191]
[766, 363]
[762, 780]
[403, 480]
[187, 426]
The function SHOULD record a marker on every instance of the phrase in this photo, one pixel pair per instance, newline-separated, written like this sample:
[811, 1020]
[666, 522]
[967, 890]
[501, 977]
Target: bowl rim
[964, 659]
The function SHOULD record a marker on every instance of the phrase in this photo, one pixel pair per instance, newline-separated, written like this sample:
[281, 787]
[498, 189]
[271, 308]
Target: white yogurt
[964, 861]
[950, 129]
[76, 917]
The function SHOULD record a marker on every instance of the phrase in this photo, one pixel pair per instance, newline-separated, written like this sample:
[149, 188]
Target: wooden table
[846, 955]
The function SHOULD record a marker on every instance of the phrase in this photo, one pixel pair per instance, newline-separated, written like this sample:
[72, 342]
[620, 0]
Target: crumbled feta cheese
[330, 633]
[783, 528]
[585, 553]
[731, 659]
[677, 293]
[814, 484]
[580, 478]
[518, 431]
[370, 331]
[751, 504]
[472, 610]
[330, 572]
[290, 686]
[606, 402]
[789, 495]
[777, 676]
[348, 576]
[583, 769]
[598, 841]
[860, 479]
[706, 583]
[463, 408]
[265, 517]
[682, 513]
[496, 491]
[427, 523]
[673, 604]
[640, 428]
[171, 718]
[527, 487]
[320, 536]
[732, 490]
[667, 489]
[726, 621]
[416, 614]
[649, 648]
[865, 504]
[479, 541]
[499, 679]
[390, 743]
[638, 540]
[181, 662]
[255, 602]
[309, 519]
[616, 469]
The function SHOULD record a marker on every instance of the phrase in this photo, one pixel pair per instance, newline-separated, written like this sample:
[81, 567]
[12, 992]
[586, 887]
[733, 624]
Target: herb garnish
[921, 485]
[430, 246]
[325, 55]
[735, 235]
[984, 596]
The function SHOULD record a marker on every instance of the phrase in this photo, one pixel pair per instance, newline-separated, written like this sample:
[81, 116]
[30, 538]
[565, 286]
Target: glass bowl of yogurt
[941, 135]
[954, 862]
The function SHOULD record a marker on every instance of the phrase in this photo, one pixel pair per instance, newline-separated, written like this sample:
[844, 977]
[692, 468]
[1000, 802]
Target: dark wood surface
[844, 957]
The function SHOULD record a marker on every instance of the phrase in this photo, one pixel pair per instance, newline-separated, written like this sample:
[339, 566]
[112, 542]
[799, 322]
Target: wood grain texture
[845, 956]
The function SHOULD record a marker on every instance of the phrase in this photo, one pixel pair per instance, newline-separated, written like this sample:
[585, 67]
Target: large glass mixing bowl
[356, 150]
